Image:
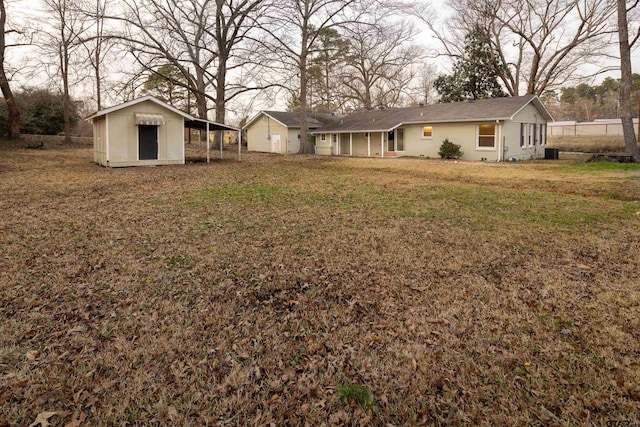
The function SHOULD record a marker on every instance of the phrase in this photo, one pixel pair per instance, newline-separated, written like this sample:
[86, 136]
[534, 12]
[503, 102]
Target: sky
[28, 72]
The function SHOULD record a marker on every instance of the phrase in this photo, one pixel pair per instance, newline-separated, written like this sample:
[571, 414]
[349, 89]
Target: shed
[145, 132]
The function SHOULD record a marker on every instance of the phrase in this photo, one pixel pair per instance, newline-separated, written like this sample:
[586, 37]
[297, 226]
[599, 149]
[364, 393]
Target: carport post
[207, 142]
[382, 144]
[240, 145]
[221, 142]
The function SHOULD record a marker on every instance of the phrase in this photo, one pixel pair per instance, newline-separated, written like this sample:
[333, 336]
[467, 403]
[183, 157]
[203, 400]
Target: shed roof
[190, 121]
[479, 110]
[292, 119]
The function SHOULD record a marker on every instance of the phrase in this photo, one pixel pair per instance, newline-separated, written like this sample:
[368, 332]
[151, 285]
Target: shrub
[449, 150]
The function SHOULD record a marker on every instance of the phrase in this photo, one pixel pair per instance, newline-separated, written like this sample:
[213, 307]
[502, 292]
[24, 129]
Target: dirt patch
[322, 291]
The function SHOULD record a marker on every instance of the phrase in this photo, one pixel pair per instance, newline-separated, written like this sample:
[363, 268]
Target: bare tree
[626, 112]
[98, 44]
[201, 38]
[379, 63]
[60, 39]
[543, 42]
[292, 28]
[13, 121]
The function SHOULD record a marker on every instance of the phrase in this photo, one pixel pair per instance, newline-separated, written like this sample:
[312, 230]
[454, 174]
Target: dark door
[147, 142]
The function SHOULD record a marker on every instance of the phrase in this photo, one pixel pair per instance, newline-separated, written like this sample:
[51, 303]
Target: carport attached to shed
[145, 132]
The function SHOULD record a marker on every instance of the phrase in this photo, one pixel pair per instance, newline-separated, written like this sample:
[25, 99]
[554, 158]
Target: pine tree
[473, 75]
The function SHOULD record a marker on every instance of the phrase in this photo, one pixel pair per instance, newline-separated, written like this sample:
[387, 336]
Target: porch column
[208, 142]
[382, 145]
[350, 143]
[368, 144]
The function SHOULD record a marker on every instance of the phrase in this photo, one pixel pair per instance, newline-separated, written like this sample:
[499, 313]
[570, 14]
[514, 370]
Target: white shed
[144, 132]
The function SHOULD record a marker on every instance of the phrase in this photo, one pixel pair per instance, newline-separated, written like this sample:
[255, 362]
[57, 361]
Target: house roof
[292, 119]
[479, 110]
[190, 121]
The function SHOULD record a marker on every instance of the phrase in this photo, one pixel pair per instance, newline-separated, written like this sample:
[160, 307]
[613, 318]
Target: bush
[449, 150]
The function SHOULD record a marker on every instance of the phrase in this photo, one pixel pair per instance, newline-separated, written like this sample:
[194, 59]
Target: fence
[596, 128]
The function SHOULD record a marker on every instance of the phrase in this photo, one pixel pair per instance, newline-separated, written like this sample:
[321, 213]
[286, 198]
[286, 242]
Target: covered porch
[381, 143]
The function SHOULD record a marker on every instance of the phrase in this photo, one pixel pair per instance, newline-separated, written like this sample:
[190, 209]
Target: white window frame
[478, 147]
[423, 135]
[530, 134]
[543, 134]
[323, 137]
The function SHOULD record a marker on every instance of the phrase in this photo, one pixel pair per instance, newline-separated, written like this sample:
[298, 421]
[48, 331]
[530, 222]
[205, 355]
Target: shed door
[275, 144]
[147, 142]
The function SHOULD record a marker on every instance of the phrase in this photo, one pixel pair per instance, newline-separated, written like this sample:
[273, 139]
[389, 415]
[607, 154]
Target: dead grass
[588, 144]
[254, 292]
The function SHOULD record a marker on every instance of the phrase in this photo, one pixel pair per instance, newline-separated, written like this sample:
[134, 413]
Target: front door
[275, 144]
[147, 142]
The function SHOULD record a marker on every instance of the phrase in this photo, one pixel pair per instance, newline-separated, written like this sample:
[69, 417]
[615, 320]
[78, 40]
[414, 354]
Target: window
[532, 131]
[543, 134]
[486, 136]
[323, 137]
[427, 131]
[535, 135]
[400, 139]
[522, 134]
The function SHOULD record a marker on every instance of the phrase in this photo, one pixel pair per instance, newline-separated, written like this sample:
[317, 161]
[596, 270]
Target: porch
[367, 144]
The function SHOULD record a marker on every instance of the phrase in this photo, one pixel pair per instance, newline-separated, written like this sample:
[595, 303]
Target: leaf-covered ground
[307, 290]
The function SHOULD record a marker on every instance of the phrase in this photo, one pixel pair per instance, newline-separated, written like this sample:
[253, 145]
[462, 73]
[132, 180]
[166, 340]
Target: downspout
[106, 122]
[500, 142]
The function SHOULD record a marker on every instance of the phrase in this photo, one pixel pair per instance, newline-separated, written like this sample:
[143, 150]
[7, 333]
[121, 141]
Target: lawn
[320, 291]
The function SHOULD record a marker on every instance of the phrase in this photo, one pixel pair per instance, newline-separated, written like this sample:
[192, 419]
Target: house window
[523, 136]
[486, 136]
[323, 137]
[427, 131]
[535, 134]
[543, 134]
[532, 131]
[400, 139]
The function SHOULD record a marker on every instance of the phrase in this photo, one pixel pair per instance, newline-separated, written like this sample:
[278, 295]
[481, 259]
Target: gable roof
[138, 101]
[292, 119]
[478, 110]
[190, 121]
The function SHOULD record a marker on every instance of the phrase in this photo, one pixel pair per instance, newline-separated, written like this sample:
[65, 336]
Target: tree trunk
[13, 120]
[306, 147]
[625, 82]
[221, 77]
[66, 101]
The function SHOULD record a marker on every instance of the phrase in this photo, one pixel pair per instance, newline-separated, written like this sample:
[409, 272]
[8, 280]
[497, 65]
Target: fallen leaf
[31, 355]
[42, 419]
[77, 419]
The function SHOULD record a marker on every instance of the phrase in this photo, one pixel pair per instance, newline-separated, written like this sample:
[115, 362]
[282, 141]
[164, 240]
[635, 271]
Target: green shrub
[449, 150]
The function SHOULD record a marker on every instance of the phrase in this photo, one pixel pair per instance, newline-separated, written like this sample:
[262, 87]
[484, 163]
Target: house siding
[100, 141]
[259, 135]
[463, 134]
[528, 115]
[123, 136]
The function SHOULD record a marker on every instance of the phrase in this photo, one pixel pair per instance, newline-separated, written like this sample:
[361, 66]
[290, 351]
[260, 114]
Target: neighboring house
[144, 132]
[279, 131]
[489, 129]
